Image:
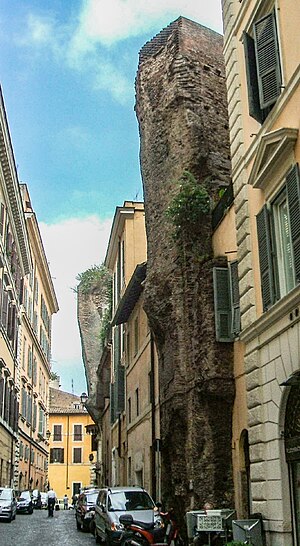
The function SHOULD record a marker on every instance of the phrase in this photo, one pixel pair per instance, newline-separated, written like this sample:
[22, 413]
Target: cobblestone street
[39, 530]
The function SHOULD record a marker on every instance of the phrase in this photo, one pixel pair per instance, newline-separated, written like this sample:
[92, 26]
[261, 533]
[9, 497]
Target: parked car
[44, 500]
[85, 509]
[25, 503]
[8, 504]
[112, 502]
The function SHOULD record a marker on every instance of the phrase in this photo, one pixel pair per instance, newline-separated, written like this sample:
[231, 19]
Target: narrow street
[38, 529]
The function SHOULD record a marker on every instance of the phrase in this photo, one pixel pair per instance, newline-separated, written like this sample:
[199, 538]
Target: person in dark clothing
[51, 497]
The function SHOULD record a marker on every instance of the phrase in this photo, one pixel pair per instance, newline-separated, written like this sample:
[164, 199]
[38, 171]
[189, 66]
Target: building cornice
[121, 215]
[11, 191]
[281, 309]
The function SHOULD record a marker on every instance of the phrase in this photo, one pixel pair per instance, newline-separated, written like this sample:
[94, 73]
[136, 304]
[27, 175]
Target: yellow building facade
[72, 453]
[261, 48]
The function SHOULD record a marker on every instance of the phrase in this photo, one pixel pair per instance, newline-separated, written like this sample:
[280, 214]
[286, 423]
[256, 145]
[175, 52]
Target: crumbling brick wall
[182, 113]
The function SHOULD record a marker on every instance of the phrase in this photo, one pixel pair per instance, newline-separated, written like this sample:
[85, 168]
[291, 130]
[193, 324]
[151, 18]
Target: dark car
[85, 509]
[25, 503]
[112, 502]
[8, 504]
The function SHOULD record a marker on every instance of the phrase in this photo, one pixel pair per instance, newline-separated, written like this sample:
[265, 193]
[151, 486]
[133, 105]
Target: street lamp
[48, 434]
[83, 398]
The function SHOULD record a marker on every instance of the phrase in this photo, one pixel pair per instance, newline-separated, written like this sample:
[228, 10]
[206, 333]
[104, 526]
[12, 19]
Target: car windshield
[5, 494]
[91, 497]
[129, 501]
[25, 495]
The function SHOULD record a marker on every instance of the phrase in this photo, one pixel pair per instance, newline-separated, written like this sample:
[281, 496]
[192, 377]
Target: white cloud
[71, 247]
[109, 22]
[85, 43]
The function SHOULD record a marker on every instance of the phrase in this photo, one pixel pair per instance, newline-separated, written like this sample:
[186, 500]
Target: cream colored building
[38, 305]
[262, 44]
[142, 388]
[15, 262]
[72, 450]
[134, 422]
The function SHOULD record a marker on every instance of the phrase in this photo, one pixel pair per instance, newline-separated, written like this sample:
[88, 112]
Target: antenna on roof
[72, 385]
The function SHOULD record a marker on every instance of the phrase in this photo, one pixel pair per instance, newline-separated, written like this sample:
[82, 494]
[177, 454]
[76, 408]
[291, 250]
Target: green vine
[95, 278]
[190, 203]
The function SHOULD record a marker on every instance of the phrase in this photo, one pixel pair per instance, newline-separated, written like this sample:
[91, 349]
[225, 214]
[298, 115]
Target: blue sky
[67, 71]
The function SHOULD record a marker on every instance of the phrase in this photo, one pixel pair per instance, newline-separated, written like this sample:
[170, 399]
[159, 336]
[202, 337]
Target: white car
[8, 504]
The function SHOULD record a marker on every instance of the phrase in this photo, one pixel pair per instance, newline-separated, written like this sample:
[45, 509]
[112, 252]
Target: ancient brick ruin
[182, 113]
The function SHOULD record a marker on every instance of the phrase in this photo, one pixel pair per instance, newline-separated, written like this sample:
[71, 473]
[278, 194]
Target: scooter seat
[143, 525]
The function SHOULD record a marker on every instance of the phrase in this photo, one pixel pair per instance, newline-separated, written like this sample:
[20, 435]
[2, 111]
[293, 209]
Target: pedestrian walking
[66, 502]
[51, 497]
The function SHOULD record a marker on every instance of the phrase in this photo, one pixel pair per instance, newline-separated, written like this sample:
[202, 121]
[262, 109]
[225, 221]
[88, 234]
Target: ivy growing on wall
[96, 277]
[187, 207]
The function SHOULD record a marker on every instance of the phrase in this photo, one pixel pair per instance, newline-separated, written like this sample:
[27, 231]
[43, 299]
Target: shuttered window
[77, 455]
[57, 433]
[77, 433]
[57, 455]
[226, 302]
[265, 257]
[263, 68]
[278, 231]
[267, 59]
[293, 194]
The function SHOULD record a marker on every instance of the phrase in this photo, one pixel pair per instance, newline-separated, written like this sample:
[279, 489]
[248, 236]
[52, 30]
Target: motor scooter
[138, 533]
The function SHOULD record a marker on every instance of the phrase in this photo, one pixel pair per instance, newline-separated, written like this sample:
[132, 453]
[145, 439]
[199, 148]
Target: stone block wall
[182, 113]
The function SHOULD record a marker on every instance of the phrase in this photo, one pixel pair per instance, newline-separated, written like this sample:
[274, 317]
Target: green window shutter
[252, 81]
[267, 59]
[112, 403]
[222, 304]
[235, 299]
[265, 258]
[121, 389]
[293, 194]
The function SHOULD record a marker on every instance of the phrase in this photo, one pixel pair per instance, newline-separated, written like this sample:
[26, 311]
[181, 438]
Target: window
[29, 363]
[278, 232]
[77, 455]
[77, 433]
[24, 353]
[129, 410]
[136, 335]
[57, 433]
[137, 402]
[128, 348]
[129, 470]
[2, 209]
[262, 66]
[57, 455]
[226, 302]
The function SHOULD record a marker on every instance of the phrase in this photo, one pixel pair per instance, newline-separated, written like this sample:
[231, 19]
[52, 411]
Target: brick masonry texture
[182, 113]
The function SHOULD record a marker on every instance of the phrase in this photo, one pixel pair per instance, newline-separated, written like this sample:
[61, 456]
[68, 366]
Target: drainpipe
[67, 466]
